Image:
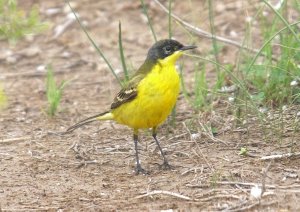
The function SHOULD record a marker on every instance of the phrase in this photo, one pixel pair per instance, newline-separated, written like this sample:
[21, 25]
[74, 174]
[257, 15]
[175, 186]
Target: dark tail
[102, 116]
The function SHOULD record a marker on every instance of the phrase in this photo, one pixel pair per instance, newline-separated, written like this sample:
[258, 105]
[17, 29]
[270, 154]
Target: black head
[165, 48]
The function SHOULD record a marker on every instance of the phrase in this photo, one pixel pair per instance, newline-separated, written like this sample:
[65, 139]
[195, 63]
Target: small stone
[41, 68]
[231, 99]
[294, 83]
[256, 192]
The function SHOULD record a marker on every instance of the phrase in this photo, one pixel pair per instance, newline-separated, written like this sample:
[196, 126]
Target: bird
[148, 97]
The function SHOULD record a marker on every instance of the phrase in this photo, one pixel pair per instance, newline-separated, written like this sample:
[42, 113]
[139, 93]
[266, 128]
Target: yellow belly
[157, 95]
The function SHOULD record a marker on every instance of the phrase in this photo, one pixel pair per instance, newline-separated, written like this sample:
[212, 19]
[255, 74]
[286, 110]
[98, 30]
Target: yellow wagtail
[149, 96]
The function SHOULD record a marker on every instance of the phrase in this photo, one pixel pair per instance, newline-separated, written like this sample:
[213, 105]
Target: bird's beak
[187, 48]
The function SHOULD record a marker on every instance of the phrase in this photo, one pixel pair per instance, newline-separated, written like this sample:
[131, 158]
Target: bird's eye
[167, 49]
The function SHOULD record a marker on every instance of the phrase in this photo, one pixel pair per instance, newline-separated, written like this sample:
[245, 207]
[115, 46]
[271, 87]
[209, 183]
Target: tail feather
[102, 116]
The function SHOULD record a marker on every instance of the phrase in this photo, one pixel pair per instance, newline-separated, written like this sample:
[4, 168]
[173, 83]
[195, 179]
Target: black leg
[165, 164]
[138, 168]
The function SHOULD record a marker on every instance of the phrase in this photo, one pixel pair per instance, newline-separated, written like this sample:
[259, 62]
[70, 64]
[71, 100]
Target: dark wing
[130, 91]
[125, 95]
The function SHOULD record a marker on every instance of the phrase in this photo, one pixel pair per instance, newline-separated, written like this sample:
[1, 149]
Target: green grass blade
[125, 70]
[53, 92]
[267, 42]
[148, 18]
[16, 23]
[170, 19]
[200, 87]
[214, 41]
[183, 87]
[238, 82]
[95, 46]
[53, 96]
[3, 98]
[282, 19]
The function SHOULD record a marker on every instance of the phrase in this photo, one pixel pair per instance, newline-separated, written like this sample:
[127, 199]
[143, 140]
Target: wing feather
[125, 95]
[130, 92]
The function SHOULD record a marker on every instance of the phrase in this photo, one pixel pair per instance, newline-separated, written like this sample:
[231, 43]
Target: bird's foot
[165, 166]
[140, 170]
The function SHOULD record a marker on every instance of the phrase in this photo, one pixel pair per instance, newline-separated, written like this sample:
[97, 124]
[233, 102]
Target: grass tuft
[53, 92]
[15, 23]
[200, 88]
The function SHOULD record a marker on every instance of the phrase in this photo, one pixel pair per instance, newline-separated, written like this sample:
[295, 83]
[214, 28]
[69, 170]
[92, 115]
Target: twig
[193, 169]
[243, 183]
[31, 209]
[221, 196]
[177, 136]
[282, 156]
[210, 135]
[60, 29]
[180, 196]
[86, 162]
[9, 140]
[205, 159]
[248, 207]
[252, 184]
[264, 176]
[234, 183]
[84, 199]
[172, 138]
[204, 33]
[188, 130]
[237, 206]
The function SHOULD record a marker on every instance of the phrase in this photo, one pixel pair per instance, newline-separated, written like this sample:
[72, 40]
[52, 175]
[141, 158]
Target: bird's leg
[138, 168]
[165, 164]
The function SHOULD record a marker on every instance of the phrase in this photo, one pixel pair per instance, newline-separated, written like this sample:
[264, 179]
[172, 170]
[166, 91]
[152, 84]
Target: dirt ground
[92, 168]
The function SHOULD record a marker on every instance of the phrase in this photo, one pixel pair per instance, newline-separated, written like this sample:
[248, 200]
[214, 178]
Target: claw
[140, 170]
[165, 166]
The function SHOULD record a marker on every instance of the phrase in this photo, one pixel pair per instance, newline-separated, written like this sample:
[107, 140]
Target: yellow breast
[157, 95]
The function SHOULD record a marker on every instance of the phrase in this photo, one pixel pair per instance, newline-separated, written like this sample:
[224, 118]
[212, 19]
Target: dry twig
[269, 186]
[248, 207]
[9, 140]
[203, 156]
[86, 162]
[180, 196]
[220, 196]
[264, 176]
[204, 33]
[282, 156]
[210, 135]
[193, 169]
